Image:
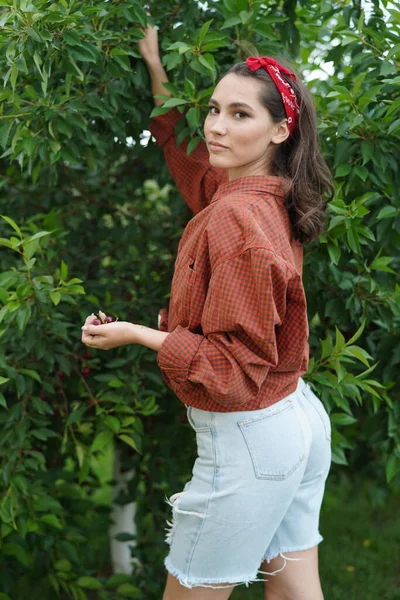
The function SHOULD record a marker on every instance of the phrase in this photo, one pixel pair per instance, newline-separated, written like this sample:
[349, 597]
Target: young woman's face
[243, 126]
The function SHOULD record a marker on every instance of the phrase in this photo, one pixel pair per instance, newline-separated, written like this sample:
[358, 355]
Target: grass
[359, 557]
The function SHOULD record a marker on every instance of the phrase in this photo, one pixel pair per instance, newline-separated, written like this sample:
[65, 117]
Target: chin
[219, 162]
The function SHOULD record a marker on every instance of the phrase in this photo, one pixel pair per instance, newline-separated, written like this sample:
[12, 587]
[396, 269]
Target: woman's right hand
[148, 46]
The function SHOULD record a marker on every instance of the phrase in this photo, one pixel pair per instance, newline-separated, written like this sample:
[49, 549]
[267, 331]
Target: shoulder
[227, 228]
[246, 216]
[239, 222]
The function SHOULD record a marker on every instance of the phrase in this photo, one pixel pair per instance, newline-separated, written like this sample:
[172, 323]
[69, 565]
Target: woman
[234, 341]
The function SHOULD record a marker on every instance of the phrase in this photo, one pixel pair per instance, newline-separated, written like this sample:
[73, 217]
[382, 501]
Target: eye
[243, 115]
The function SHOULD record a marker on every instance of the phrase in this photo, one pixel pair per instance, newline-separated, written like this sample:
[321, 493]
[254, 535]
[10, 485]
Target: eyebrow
[232, 104]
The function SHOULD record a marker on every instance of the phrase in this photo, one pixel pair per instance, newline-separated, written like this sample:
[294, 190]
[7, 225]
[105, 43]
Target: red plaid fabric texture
[237, 315]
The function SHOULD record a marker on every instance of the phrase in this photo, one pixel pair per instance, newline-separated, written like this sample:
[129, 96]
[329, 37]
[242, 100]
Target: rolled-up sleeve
[245, 304]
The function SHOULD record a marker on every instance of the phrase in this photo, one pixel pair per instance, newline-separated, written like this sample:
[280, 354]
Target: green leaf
[3, 401]
[174, 102]
[193, 117]
[231, 22]
[128, 440]
[362, 172]
[116, 383]
[5, 132]
[128, 590]
[326, 346]
[82, 53]
[343, 170]
[207, 60]
[101, 441]
[192, 145]
[353, 241]
[392, 467]
[381, 264]
[23, 315]
[394, 126]
[30, 373]
[71, 38]
[359, 353]
[340, 341]
[90, 583]
[358, 333]
[159, 110]
[64, 271]
[113, 423]
[360, 22]
[17, 552]
[76, 414]
[5, 16]
[55, 297]
[203, 31]
[13, 224]
[3, 380]
[342, 419]
[387, 212]
[334, 253]
[367, 150]
[338, 456]
[62, 565]
[180, 46]
[393, 107]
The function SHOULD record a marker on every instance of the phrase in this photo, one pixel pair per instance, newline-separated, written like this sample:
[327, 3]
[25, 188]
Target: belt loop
[301, 385]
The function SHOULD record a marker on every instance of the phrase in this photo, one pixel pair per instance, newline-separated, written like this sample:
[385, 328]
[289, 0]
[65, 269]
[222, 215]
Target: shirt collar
[269, 184]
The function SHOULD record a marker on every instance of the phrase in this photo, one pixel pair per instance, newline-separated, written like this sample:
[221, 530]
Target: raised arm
[195, 178]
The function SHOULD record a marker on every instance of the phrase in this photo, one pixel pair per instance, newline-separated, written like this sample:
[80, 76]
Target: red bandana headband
[274, 69]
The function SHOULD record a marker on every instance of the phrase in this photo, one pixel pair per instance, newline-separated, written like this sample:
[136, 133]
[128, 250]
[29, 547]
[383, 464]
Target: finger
[90, 318]
[95, 330]
[90, 329]
[89, 341]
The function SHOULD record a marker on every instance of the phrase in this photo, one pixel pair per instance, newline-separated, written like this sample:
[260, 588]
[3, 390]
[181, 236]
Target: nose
[217, 126]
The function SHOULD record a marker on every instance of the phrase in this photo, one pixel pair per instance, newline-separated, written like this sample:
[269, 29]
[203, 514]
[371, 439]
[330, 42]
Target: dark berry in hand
[97, 322]
[109, 320]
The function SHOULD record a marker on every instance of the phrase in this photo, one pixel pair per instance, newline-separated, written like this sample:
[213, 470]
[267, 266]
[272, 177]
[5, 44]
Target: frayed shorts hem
[209, 583]
[223, 583]
[293, 549]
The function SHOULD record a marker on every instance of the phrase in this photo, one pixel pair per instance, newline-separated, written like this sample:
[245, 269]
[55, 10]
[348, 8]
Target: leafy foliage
[92, 222]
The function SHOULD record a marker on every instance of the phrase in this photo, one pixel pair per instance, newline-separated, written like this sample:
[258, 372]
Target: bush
[91, 222]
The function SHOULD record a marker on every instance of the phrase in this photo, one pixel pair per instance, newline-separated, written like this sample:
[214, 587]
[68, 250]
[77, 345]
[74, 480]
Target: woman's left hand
[109, 335]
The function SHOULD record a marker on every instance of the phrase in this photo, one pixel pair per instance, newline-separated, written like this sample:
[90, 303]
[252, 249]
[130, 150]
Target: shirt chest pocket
[182, 285]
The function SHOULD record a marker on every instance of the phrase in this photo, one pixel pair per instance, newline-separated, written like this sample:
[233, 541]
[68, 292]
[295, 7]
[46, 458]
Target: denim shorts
[255, 493]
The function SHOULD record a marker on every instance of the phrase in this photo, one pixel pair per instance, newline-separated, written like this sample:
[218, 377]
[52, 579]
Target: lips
[217, 145]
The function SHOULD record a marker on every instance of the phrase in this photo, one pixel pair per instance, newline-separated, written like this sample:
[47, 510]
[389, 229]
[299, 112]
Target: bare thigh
[299, 580]
[175, 591]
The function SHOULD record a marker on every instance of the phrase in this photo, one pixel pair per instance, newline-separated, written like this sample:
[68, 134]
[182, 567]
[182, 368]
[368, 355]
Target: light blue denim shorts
[255, 493]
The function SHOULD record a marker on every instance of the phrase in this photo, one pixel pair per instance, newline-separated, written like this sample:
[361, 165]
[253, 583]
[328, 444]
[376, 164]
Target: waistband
[301, 385]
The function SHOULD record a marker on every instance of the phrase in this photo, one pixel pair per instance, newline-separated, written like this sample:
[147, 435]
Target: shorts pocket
[198, 419]
[275, 441]
[320, 409]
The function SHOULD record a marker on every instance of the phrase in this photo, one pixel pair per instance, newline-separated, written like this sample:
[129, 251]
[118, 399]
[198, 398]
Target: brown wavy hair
[298, 160]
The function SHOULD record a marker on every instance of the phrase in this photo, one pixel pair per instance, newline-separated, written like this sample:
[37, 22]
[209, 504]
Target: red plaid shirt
[237, 315]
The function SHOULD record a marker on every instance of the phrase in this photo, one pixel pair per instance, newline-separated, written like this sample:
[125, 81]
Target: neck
[235, 173]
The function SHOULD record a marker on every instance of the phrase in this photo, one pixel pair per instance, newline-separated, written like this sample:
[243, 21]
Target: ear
[281, 132]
